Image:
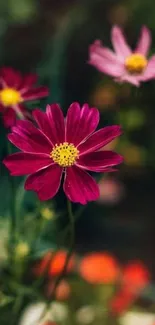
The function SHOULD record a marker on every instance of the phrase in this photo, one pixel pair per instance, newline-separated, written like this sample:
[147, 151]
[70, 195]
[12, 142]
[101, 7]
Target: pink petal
[119, 43]
[80, 122]
[9, 117]
[28, 138]
[45, 182]
[79, 186]
[56, 122]
[26, 163]
[99, 161]
[105, 61]
[144, 42]
[134, 80]
[99, 139]
[10, 78]
[34, 93]
[42, 120]
[149, 72]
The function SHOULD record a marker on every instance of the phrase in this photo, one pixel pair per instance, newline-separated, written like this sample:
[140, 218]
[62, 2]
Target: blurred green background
[52, 38]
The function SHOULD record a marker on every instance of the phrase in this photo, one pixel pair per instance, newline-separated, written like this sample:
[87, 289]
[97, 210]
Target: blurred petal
[144, 42]
[134, 80]
[105, 61]
[45, 182]
[119, 43]
[28, 81]
[9, 117]
[10, 78]
[26, 163]
[80, 122]
[149, 73]
[79, 186]
[99, 161]
[35, 93]
[99, 139]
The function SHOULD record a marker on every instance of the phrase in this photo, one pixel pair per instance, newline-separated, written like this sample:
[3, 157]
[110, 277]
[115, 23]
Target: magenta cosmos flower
[16, 89]
[124, 64]
[60, 147]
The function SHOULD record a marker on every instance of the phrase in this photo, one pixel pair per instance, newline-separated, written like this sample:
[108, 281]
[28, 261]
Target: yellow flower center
[135, 63]
[10, 97]
[65, 154]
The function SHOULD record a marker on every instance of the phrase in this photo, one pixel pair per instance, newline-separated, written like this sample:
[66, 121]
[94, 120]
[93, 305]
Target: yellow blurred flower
[47, 213]
[22, 250]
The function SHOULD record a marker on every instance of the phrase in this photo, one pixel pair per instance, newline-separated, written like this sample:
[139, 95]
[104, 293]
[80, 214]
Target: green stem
[13, 222]
[69, 254]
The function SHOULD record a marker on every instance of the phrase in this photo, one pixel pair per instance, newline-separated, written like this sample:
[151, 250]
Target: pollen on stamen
[10, 96]
[65, 154]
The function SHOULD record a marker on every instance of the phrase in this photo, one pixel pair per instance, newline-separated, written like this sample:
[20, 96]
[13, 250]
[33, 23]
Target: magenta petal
[144, 43]
[28, 81]
[9, 117]
[79, 186]
[28, 138]
[45, 182]
[10, 78]
[149, 73]
[105, 61]
[26, 163]
[119, 43]
[99, 139]
[56, 122]
[99, 161]
[80, 122]
[34, 93]
[43, 122]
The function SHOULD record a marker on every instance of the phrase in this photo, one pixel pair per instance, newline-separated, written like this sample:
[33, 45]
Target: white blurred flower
[85, 315]
[57, 312]
[137, 318]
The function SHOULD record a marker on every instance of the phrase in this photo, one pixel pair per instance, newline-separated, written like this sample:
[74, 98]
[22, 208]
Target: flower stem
[12, 210]
[69, 254]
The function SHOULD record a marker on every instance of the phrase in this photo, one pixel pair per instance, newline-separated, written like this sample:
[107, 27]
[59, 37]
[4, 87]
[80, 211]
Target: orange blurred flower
[55, 262]
[99, 268]
[135, 277]
[62, 292]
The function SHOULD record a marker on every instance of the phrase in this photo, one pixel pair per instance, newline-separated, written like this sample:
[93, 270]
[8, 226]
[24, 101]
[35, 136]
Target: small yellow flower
[47, 213]
[22, 249]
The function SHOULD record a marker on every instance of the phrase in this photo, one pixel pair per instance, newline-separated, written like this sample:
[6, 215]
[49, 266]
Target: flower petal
[45, 182]
[79, 186]
[99, 161]
[10, 78]
[144, 43]
[43, 123]
[149, 73]
[9, 117]
[99, 139]
[34, 93]
[119, 43]
[28, 81]
[57, 124]
[134, 80]
[26, 163]
[28, 138]
[80, 122]
[105, 61]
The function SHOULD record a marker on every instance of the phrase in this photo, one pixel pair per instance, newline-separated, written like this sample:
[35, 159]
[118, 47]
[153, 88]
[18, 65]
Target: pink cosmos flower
[16, 89]
[60, 147]
[125, 64]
